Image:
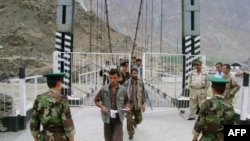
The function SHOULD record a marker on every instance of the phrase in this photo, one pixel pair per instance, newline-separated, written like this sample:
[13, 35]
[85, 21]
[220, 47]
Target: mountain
[224, 24]
[28, 30]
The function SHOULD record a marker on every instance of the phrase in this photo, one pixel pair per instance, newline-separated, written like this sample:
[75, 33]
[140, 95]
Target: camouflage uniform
[231, 88]
[214, 113]
[198, 85]
[125, 77]
[51, 110]
[137, 99]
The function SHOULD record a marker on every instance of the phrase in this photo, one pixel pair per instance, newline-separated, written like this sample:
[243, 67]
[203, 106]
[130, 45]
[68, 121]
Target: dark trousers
[105, 80]
[113, 130]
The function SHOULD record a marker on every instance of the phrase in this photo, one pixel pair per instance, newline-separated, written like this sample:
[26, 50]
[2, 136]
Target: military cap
[124, 63]
[54, 76]
[197, 62]
[218, 82]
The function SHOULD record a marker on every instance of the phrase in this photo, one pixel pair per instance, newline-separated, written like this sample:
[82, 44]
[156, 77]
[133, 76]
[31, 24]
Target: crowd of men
[212, 114]
[123, 95]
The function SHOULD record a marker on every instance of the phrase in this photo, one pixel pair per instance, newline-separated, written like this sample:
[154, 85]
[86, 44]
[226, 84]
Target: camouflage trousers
[134, 117]
[49, 136]
[219, 136]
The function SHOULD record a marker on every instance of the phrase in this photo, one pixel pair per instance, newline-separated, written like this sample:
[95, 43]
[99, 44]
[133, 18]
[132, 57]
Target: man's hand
[35, 138]
[194, 139]
[104, 110]
[143, 108]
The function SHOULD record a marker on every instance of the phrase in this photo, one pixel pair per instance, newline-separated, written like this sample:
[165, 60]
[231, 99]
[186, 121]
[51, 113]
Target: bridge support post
[22, 97]
[190, 37]
[244, 98]
[64, 42]
[64, 45]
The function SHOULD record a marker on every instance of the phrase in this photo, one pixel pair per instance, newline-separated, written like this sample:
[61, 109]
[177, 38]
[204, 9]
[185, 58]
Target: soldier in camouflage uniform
[124, 74]
[232, 87]
[136, 99]
[214, 113]
[197, 84]
[52, 111]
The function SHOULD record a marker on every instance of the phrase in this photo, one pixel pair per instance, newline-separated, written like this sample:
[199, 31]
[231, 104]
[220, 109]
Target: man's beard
[134, 77]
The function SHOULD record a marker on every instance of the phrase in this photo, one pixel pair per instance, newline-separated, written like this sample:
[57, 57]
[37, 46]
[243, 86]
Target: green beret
[59, 74]
[124, 63]
[218, 80]
[55, 76]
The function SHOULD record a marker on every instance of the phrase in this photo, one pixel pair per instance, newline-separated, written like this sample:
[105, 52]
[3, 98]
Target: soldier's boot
[2, 128]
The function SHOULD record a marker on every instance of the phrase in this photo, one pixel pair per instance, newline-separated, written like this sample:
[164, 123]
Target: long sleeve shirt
[51, 110]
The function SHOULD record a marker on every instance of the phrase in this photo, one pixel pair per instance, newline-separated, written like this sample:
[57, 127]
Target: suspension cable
[152, 22]
[146, 26]
[97, 14]
[161, 26]
[139, 14]
[102, 45]
[107, 17]
[142, 29]
[90, 27]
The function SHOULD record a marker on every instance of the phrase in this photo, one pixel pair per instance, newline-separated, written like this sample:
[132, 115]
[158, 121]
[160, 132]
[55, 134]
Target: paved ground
[158, 124]
[161, 123]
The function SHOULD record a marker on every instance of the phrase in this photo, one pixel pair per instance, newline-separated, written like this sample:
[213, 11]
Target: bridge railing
[85, 73]
[33, 86]
[164, 72]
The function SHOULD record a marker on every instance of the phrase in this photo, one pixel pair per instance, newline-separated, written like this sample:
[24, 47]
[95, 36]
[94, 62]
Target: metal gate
[162, 74]
[85, 78]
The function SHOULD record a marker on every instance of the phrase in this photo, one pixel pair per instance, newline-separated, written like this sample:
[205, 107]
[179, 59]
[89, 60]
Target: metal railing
[23, 101]
[162, 77]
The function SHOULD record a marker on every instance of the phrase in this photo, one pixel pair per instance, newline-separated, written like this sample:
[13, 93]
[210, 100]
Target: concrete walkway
[161, 123]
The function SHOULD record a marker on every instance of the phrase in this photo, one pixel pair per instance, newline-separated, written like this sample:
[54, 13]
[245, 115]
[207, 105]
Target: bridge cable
[141, 31]
[161, 26]
[139, 14]
[97, 19]
[107, 17]
[97, 33]
[151, 50]
[102, 28]
[109, 31]
[146, 26]
[90, 27]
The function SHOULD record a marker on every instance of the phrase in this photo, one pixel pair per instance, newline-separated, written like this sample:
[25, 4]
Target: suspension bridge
[165, 76]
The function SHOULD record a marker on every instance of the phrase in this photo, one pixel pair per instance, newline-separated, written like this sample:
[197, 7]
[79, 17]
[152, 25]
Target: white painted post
[22, 92]
[35, 87]
[55, 61]
[244, 97]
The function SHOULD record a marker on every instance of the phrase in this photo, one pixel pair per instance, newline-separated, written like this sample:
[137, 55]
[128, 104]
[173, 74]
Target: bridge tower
[190, 36]
[62, 56]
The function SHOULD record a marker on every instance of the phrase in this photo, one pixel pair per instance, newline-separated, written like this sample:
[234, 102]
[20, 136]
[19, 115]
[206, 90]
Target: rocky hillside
[224, 25]
[27, 36]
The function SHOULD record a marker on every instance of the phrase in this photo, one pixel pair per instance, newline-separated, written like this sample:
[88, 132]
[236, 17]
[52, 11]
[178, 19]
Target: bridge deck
[161, 123]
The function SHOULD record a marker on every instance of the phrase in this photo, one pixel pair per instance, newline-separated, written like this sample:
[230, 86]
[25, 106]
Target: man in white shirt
[139, 67]
[219, 73]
